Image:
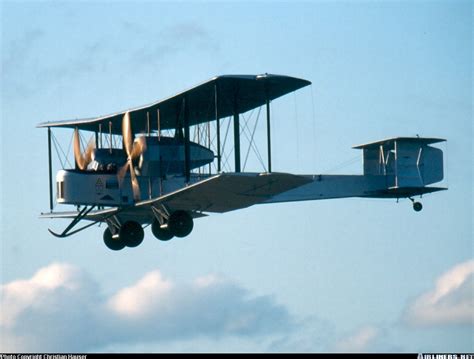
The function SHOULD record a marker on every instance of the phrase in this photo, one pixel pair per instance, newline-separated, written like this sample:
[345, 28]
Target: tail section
[406, 162]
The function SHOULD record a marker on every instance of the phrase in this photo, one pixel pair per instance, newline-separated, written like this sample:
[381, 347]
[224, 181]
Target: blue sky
[341, 275]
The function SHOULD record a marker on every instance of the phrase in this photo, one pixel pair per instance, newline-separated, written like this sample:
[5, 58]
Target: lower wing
[227, 192]
[221, 193]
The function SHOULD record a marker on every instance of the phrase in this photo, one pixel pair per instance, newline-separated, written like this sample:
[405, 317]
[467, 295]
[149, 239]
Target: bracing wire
[297, 131]
[314, 126]
[56, 145]
[344, 164]
[246, 128]
[69, 148]
[224, 143]
[254, 146]
[252, 142]
[59, 148]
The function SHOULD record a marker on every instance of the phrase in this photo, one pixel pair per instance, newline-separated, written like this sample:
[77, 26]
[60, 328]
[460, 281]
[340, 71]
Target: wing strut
[236, 135]
[50, 172]
[81, 215]
[187, 152]
[218, 129]
[269, 143]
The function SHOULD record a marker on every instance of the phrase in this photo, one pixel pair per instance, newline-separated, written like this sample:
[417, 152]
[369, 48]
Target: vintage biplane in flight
[143, 166]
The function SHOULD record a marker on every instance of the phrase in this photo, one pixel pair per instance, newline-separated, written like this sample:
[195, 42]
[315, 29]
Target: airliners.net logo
[445, 356]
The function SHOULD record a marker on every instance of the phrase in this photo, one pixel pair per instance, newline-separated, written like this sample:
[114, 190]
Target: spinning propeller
[133, 149]
[82, 159]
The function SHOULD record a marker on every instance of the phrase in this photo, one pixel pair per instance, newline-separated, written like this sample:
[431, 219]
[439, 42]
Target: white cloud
[139, 299]
[60, 308]
[358, 341]
[450, 302]
[22, 295]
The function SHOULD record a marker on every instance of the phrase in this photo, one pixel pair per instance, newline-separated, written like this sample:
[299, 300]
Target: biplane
[144, 167]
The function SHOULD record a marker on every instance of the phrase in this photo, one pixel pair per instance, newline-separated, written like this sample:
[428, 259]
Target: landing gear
[417, 206]
[114, 244]
[180, 223]
[131, 233]
[163, 234]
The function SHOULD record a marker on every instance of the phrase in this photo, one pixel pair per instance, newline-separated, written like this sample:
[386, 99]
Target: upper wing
[239, 93]
[228, 191]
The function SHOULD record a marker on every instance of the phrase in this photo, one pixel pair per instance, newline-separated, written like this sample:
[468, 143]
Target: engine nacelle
[165, 156]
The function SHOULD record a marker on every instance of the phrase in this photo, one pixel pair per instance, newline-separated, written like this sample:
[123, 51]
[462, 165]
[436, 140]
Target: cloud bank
[451, 301]
[60, 308]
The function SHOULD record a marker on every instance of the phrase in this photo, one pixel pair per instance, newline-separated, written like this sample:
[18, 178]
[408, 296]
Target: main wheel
[180, 223]
[417, 206]
[163, 234]
[132, 233]
[114, 244]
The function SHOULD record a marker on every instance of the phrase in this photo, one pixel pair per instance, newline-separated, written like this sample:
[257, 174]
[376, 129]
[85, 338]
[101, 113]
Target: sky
[322, 276]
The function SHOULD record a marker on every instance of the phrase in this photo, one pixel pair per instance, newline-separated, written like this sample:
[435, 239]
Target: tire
[132, 233]
[112, 243]
[163, 234]
[417, 206]
[180, 224]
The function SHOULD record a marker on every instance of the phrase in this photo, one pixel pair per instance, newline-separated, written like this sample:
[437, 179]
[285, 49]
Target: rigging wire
[69, 148]
[211, 144]
[344, 164]
[297, 131]
[314, 126]
[57, 151]
[59, 148]
[252, 142]
[224, 143]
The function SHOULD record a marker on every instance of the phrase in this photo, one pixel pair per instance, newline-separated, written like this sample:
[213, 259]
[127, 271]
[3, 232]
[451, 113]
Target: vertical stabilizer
[406, 162]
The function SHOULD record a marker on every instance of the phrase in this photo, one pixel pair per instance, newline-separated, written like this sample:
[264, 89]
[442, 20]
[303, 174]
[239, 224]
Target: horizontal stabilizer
[391, 141]
[405, 192]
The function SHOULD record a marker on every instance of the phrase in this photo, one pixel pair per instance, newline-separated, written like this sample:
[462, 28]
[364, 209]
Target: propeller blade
[82, 159]
[135, 186]
[77, 150]
[127, 134]
[121, 173]
[88, 153]
[133, 150]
